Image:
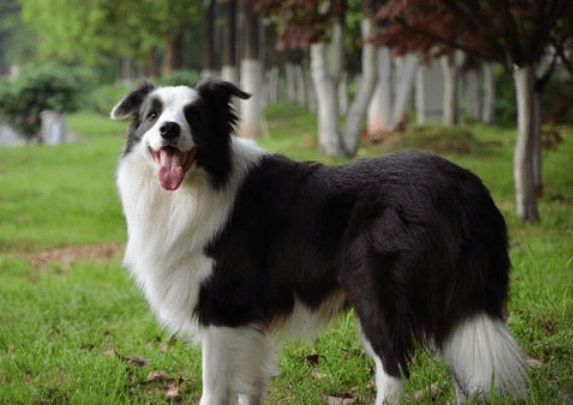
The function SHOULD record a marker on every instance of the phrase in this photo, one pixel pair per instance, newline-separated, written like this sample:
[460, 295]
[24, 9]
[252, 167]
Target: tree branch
[451, 43]
[510, 32]
[566, 61]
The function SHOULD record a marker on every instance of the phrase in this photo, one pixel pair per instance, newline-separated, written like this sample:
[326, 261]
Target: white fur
[388, 388]
[481, 350]
[304, 322]
[174, 100]
[168, 231]
[237, 365]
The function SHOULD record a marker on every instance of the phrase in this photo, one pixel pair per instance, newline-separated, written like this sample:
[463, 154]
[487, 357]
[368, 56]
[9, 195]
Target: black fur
[212, 119]
[415, 242]
[137, 106]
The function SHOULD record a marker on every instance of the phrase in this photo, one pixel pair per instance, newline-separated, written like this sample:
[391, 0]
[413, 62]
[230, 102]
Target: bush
[181, 78]
[37, 89]
[104, 98]
[557, 103]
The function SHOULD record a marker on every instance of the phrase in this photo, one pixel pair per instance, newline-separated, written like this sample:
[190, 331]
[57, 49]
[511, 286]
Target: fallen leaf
[171, 392]
[156, 375]
[136, 361]
[534, 363]
[431, 391]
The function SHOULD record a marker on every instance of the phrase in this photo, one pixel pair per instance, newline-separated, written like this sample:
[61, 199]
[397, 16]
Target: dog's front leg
[216, 365]
[237, 365]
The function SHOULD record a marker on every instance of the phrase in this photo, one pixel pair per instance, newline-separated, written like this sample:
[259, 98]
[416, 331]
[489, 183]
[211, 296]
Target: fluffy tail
[482, 354]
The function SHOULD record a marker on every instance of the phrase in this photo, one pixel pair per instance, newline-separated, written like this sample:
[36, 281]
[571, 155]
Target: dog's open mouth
[173, 165]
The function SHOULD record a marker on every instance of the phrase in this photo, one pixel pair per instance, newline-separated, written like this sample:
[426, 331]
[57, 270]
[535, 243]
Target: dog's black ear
[220, 91]
[131, 103]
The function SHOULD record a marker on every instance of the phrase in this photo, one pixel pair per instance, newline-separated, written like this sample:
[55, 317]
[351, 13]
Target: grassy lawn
[78, 331]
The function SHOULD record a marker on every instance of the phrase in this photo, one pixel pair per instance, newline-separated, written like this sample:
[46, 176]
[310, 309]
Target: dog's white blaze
[174, 99]
[168, 231]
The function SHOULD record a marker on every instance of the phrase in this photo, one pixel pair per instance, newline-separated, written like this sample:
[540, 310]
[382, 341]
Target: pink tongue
[171, 171]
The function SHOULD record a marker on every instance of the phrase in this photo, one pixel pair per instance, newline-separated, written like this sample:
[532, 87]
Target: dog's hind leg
[388, 388]
[237, 365]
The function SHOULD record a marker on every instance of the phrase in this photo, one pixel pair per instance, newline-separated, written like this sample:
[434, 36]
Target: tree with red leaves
[516, 33]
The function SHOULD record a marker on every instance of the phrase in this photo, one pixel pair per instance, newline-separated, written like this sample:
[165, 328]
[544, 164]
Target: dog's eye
[152, 115]
[192, 114]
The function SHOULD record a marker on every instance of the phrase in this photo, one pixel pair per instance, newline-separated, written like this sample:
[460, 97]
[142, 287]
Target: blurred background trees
[366, 68]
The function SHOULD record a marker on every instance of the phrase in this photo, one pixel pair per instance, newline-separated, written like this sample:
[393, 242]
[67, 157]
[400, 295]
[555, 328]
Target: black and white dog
[232, 244]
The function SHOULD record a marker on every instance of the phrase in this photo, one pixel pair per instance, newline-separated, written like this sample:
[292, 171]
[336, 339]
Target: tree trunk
[208, 70]
[325, 87]
[343, 94]
[523, 164]
[360, 104]
[151, 63]
[173, 56]
[537, 146]
[450, 68]
[273, 84]
[404, 92]
[300, 84]
[489, 94]
[229, 63]
[337, 52]
[251, 78]
[474, 98]
[420, 95]
[290, 81]
[380, 109]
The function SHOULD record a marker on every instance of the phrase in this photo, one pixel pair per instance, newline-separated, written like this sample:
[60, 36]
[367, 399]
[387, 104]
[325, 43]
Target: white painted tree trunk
[229, 73]
[380, 109]
[358, 108]
[273, 75]
[420, 95]
[343, 94]
[325, 87]
[489, 94]
[291, 81]
[311, 96]
[450, 69]
[523, 163]
[207, 74]
[251, 110]
[405, 86]
[474, 97]
[337, 52]
[300, 84]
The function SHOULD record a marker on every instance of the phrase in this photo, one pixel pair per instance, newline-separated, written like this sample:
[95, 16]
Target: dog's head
[178, 128]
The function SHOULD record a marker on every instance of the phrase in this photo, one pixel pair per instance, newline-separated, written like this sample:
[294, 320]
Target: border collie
[232, 245]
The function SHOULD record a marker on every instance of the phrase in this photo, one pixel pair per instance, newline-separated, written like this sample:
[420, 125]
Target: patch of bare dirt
[73, 254]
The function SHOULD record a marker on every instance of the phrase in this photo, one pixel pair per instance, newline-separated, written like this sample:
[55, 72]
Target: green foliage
[103, 98]
[37, 89]
[557, 102]
[79, 30]
[181, 78]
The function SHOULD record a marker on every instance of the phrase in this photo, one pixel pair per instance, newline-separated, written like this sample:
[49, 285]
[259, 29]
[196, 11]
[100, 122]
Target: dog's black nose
[170, 130]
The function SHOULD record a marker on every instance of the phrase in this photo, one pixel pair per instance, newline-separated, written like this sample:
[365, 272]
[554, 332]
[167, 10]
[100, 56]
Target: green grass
[81, 333]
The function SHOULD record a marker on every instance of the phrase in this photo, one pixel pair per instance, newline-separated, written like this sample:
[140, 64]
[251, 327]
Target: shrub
[37, 89]
[181, 78]
[104, 98]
